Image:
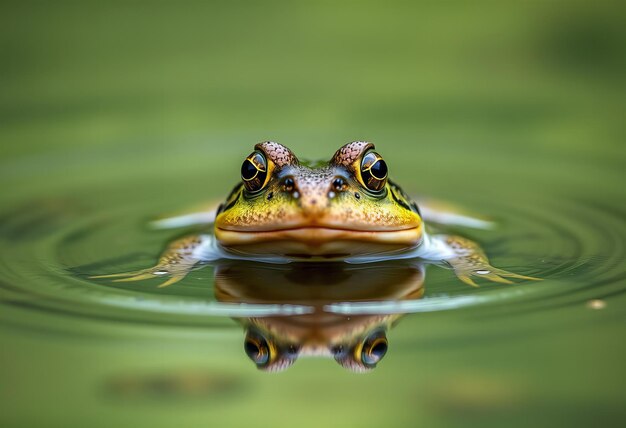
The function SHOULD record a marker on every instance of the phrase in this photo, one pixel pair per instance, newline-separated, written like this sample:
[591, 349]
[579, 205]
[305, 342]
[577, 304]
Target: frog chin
[319, 242]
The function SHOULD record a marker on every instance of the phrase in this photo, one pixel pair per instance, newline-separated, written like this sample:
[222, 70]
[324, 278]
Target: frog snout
[313, 196]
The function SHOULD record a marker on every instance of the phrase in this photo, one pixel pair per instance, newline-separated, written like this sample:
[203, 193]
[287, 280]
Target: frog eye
[373, 172]
[254, 172]
[258, 350]
[373, 349]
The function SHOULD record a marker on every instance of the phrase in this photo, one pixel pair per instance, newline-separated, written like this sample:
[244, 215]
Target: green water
[113, 114]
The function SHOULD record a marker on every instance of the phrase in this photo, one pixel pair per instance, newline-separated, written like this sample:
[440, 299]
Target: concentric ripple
[53, 244]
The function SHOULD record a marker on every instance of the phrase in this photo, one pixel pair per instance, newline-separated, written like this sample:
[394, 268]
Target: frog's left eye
[254, 172]
[373, 172]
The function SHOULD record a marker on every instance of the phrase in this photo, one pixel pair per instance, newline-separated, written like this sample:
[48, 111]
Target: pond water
[113, 115]
[455, 353]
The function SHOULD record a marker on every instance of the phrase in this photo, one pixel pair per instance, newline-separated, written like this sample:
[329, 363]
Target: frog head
[344, 207]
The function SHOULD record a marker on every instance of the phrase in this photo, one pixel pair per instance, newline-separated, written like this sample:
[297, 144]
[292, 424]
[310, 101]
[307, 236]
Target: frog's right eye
[254, 172]
[373, 172]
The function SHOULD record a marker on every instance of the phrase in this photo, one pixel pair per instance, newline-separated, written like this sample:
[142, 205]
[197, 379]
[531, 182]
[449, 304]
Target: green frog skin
[343, 210]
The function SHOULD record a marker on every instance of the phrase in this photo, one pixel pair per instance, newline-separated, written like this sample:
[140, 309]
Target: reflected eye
[254, 172]
[373, 172]
[257, 349]
[374, 349]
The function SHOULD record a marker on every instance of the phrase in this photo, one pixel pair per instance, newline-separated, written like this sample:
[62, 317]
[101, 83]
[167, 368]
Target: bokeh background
[121, 110]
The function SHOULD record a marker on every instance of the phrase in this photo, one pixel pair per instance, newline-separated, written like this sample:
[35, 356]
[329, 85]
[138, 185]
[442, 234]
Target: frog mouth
[319, 240]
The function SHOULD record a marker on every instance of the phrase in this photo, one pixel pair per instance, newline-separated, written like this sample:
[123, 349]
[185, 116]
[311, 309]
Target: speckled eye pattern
[277, 153]
[350, 153]
[368, 167]
[254, 172]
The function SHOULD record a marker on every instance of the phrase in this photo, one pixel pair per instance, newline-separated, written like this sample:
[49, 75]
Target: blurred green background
[79, 74]
[124, 110]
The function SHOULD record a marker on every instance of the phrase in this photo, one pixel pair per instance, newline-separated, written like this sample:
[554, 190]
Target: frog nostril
[289, 185]
[339, 184]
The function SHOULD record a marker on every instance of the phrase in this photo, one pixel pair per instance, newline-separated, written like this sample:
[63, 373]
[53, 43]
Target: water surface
[112, 115]
[141, 351]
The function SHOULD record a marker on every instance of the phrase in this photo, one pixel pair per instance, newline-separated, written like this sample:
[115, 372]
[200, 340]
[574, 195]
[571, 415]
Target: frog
[345, 210]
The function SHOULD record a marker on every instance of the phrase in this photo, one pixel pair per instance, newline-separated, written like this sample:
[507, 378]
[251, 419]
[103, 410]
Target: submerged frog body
[354, 336]
[347, 209]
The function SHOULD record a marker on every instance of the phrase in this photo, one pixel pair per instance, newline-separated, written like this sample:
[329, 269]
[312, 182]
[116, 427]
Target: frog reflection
[358, 342]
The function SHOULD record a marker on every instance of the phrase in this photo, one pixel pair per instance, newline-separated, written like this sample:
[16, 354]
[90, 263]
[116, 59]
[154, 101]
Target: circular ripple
[53, 244]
